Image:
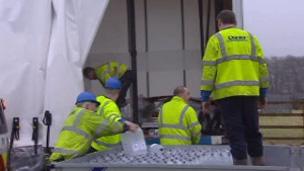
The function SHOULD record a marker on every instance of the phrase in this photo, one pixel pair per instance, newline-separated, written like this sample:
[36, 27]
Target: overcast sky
[279, 25]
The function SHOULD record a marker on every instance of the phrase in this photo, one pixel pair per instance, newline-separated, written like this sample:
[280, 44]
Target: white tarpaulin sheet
[43, 47]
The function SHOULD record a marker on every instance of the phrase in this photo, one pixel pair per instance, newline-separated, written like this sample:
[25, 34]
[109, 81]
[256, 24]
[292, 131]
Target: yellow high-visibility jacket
[234, 65]
[110, 69]
[108, 111]
[178, 123]
[80, 128]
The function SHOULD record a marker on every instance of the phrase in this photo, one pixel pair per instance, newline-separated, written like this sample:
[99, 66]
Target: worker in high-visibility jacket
[108, 110]
[82, 126]
[235, 74]
[109, 70]
[177, 121]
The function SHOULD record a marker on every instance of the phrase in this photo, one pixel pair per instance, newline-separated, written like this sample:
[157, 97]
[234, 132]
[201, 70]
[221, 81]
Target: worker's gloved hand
[262, 103]
[206, 107]
[131, 126]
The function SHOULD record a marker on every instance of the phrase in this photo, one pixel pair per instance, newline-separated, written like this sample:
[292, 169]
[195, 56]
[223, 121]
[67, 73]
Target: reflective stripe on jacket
[109, 112]
[80, 128]
[178, 123]
[110, 69]
[234, 65]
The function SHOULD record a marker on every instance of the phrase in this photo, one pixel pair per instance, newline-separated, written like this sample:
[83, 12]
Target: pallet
[282, 128]
[274, 141]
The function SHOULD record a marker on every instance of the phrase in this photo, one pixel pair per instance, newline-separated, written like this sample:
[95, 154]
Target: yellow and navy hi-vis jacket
[81, 127]
[234, 65]
[110, 69]
[108, 111]
[178, 123]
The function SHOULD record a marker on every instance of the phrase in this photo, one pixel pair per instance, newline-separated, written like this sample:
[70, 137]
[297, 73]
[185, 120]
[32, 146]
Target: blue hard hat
[86, 97]
[113, 83]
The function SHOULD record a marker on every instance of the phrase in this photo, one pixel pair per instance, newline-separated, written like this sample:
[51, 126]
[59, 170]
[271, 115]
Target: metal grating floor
[168, 156]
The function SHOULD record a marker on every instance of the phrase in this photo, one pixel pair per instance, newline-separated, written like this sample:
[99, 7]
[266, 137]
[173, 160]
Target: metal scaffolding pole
[133, 54]
[208, 20]
[201, 24]
[183, 41]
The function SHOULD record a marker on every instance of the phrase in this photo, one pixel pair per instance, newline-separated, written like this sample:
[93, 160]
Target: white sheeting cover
[43, 47]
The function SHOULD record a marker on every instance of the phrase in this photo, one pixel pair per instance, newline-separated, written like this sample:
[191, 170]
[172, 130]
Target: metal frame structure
[133, 54]
[277, 158]
[219, 5]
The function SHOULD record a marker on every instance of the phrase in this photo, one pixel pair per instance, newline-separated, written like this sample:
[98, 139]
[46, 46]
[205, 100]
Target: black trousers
[126, 81]
[241, 122]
